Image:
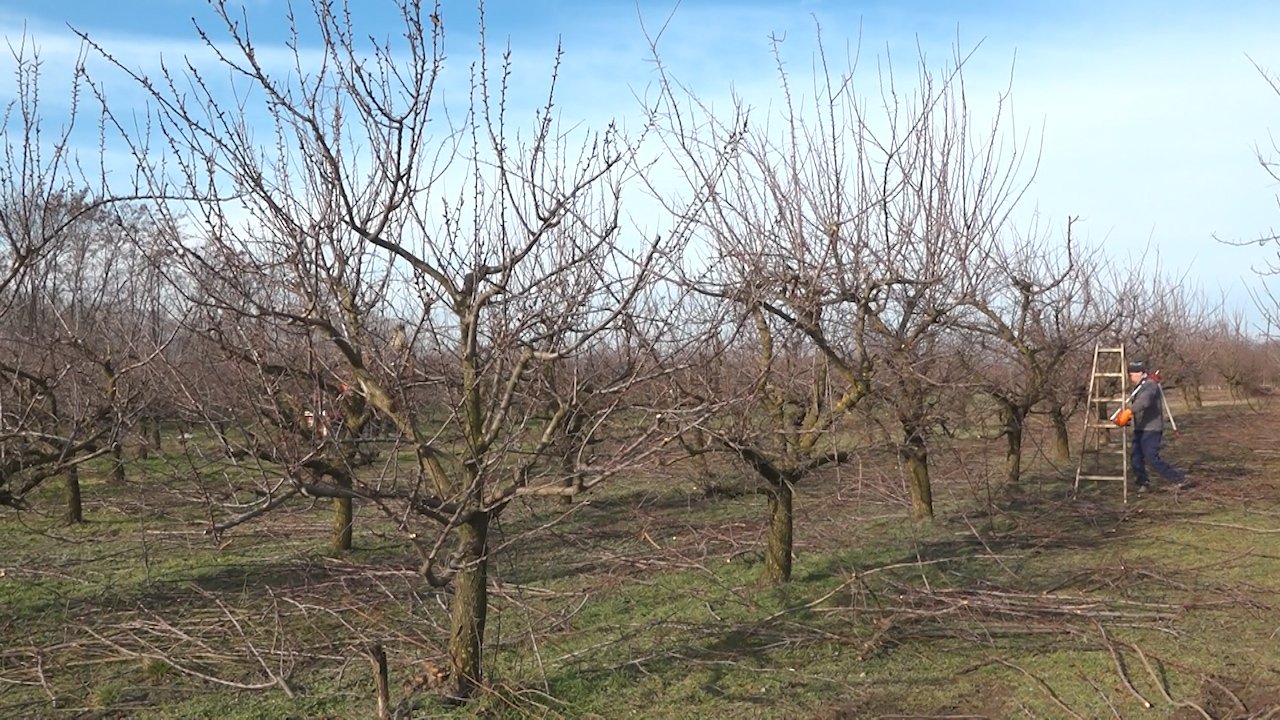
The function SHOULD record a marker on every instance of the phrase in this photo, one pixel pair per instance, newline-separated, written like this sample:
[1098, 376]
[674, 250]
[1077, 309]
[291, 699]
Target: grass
[644, 603]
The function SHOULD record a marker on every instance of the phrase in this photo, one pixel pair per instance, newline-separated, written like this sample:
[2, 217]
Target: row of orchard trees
[376, 271]
[83, 309]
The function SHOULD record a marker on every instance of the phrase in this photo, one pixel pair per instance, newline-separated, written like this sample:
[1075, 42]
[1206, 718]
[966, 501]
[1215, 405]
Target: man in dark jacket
[1147, 403]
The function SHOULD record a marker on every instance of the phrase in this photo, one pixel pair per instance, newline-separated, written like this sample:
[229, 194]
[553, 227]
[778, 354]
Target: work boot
[1141, 489]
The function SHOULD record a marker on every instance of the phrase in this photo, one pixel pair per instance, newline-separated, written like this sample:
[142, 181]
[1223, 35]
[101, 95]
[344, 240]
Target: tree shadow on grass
[274, 575]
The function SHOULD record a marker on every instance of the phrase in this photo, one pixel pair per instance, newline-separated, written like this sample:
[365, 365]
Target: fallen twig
[1119, 663]
[1160, 685]
[1234, 526]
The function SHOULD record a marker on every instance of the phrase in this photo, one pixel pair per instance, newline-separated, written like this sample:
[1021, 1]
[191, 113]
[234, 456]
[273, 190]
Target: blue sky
[1151, 111]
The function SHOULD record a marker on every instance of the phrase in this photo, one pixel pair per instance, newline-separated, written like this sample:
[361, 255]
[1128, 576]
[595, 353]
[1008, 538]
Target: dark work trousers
[1146, 448]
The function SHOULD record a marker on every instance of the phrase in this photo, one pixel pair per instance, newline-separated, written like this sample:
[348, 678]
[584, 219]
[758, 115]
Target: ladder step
[1108, 399]
[1103, 477]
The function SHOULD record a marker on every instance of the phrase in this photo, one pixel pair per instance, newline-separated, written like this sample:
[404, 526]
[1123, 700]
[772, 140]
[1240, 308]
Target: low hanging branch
[268, 504]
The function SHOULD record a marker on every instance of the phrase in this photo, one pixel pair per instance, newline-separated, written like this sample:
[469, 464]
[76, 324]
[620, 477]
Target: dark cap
[1137, 366]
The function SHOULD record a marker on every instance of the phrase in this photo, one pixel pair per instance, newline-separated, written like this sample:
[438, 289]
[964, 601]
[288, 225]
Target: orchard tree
[944, 187]
[60, 371]
[1028, 329]
[1172, 314]
[1077, 320]
[377, 242]
[841, 240]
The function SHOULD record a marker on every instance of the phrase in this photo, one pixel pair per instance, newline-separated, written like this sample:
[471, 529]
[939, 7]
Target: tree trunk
[343, 518]
[916, 455]
[117, 463]
[569, 460]
[1191, 395]
[777, 558]
[469, 606]
[74, 508]
[569, 466]
[149, 439]
[1061, 436]
[1014, 423]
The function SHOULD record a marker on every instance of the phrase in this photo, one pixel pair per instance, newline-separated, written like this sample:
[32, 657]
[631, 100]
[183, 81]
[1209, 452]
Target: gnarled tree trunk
[1014, 426]
[777, 558]
[916, 455]
[469, 606]
[117, 463]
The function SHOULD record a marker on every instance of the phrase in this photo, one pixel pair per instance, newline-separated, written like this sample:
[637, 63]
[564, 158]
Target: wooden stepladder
[1098, 449]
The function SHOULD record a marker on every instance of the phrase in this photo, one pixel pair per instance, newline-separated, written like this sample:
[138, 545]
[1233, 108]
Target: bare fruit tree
[843, 239]
[786, 280]
[417, 303]
[1238, 358]
[944, 188]
[1032, 331]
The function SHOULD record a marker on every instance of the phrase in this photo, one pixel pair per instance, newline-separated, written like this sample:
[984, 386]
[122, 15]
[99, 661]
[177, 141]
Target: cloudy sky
[1151, 113]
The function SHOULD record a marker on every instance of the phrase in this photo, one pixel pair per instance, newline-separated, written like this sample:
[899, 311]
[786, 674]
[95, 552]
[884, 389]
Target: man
[1147, 404]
